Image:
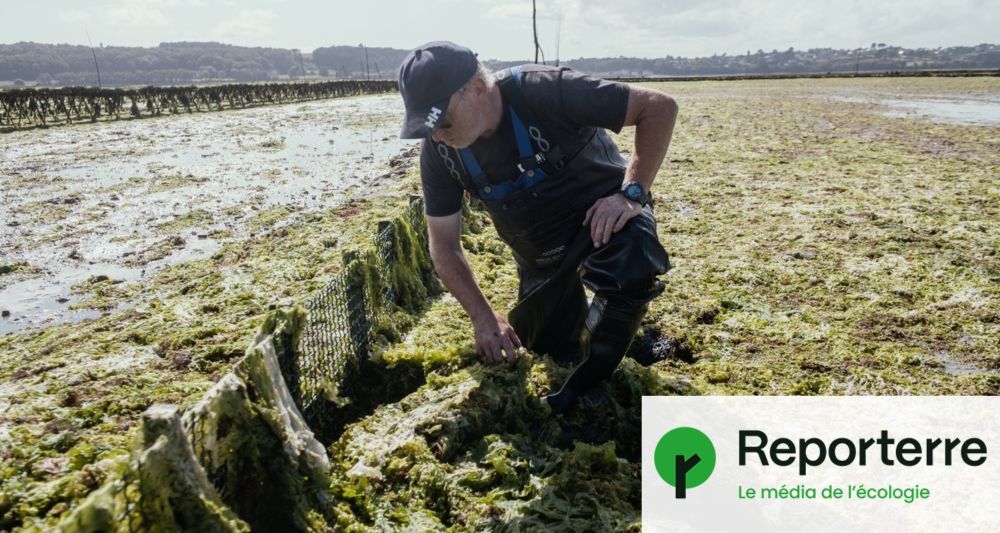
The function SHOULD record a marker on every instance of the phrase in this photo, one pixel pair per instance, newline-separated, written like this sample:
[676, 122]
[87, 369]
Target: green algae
[199, 218]
[819, 248]
[13, 267]
[101, 293]
[800, 224]
[187, 325]
[387, 282]
[267, 218]
[412, 275]
[253, 442]
[156, 251]
[176, 181]
[175, 492]
[473, 449]
[41, 212]
[11, 273]
[164, 489]
[816, 251]
[240, 458]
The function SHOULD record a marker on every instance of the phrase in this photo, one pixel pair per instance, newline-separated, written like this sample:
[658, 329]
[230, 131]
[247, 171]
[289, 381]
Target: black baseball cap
[428, 77]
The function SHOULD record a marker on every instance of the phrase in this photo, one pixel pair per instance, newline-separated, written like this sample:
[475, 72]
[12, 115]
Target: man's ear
[479, 86]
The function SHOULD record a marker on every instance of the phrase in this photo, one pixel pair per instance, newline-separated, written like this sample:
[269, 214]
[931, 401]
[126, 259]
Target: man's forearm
[457, 276]
[653, 132]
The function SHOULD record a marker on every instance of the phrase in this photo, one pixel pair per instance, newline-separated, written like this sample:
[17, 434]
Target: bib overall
[540, 214]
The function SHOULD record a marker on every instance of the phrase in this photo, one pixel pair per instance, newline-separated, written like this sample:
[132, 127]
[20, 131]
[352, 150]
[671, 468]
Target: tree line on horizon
[207, 62]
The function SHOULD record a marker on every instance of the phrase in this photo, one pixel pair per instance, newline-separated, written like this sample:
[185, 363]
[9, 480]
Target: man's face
[462, 124]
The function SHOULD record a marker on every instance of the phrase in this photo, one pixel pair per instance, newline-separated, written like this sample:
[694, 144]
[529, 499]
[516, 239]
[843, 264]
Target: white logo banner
[818, 464]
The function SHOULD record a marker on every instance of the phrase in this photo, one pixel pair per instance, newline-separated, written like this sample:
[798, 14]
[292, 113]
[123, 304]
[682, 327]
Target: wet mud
[126, 199]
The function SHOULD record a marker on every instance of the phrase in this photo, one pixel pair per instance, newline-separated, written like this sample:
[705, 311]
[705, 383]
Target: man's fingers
[510, 349]
[500, 349]
[506, 353]
[486, 352]
[498, 355]
[503, 346]
[514, 339]
[609, 223]
[597, 226]
[622, 220]
[498, 346]
[590, 214]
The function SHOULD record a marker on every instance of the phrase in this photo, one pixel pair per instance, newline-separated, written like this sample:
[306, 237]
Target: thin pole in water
[368, 70]
[558, 37]
[534, 28]
[96, 66]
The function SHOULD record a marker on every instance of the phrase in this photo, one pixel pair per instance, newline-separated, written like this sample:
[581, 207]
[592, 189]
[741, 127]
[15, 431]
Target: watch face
[633, 191]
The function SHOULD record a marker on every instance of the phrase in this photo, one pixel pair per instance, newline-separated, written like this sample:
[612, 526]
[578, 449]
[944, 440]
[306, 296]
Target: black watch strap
[643, 199]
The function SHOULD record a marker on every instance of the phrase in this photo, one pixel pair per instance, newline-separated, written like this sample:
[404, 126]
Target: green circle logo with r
[684, 458]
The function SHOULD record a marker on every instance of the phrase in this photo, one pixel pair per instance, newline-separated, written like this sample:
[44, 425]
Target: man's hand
[495, 338]
[496, 341]
[608, 215]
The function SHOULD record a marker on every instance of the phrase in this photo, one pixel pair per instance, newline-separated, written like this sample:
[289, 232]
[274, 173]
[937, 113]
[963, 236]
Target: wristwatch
[635, 192]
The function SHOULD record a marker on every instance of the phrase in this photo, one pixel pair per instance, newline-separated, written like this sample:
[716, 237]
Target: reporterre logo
[684, 458]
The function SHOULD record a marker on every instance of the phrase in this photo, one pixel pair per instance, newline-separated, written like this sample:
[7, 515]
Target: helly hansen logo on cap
[433, 117]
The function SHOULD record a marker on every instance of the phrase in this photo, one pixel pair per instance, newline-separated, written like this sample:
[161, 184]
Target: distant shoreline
[945, 73]
[948, 73]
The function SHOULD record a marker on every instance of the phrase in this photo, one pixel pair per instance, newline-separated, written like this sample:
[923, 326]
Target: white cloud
[509, 10]
[502, 28]
[136, 14]
[653, 28]
[642, 27]
[247, 23]
[74, 17]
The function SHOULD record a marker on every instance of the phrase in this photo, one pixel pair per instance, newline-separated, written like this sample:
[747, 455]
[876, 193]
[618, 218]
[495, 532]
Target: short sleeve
[593, 102]
[442, 192]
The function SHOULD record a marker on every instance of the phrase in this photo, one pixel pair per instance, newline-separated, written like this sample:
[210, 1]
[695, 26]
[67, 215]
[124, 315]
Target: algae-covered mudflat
[827, 238]
[124, 199]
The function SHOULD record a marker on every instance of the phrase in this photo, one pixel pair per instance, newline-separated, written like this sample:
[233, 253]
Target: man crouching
[530, 142]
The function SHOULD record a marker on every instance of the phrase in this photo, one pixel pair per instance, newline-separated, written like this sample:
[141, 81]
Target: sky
[501, 29]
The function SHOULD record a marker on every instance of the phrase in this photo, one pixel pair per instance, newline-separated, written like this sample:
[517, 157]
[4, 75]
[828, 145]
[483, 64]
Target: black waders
[540, 215]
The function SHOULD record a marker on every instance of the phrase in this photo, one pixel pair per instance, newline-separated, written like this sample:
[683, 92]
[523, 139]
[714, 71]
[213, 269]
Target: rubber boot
[606, 337]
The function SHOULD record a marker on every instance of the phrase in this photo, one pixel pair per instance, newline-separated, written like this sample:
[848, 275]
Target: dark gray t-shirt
[573, 109]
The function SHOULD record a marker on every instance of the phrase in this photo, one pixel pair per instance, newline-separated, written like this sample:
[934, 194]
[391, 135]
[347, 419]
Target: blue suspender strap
[501, 191]
[529, 159]
[524, 150]
[530, 175]
[472, 166]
